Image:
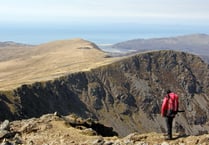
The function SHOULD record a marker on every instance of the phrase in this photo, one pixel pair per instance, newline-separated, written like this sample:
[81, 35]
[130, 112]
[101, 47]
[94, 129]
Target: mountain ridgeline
[125, 95]
[196, 44]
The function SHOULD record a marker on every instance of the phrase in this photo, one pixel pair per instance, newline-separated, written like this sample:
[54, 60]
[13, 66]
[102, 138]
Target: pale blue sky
[100, 21]
[196, 11]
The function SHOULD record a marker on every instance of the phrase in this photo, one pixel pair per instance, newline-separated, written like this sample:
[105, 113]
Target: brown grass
[51, 60]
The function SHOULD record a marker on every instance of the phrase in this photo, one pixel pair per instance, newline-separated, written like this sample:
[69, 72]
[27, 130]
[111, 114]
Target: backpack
[172, 106]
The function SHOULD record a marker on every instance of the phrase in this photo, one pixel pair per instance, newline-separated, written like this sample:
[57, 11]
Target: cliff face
[125, 95]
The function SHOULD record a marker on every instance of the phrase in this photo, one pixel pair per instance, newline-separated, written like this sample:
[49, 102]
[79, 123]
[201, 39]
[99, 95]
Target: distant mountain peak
[194, 43]
[12, 43]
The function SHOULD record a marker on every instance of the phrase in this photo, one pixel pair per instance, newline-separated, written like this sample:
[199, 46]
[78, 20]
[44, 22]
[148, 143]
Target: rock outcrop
[125, 95]
[58, 130]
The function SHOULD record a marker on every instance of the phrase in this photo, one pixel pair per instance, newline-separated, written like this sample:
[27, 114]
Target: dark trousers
[169, 122]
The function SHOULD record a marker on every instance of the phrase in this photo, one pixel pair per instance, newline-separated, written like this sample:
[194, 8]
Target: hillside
[22, 64]
[12, 44]
[57, 130]
[11, 50]
[196, 44]
[125, 95]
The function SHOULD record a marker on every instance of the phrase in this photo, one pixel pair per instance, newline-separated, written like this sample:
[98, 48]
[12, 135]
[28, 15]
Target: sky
[101, 10]
[102, 21]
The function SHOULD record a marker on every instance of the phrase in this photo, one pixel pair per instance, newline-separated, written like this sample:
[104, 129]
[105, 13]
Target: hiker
[169, 109]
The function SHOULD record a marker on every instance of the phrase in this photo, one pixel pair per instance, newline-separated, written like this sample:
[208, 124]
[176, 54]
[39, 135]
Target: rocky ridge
[125, 95]
[53, 129]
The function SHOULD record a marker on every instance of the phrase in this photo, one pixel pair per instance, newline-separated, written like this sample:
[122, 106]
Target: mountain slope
[11, 50]
[125, 95]
[48, 61]
[196, 44]
[54, 130]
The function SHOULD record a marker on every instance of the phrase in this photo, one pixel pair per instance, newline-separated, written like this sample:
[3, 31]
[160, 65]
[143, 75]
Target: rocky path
[52, 129]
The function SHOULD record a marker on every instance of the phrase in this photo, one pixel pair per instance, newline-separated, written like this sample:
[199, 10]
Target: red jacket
[170, 102]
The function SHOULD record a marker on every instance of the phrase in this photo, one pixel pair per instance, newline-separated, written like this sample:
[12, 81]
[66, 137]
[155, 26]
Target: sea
[100, 34]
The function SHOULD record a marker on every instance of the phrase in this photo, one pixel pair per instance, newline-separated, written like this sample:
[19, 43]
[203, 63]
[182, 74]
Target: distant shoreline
[98, 33]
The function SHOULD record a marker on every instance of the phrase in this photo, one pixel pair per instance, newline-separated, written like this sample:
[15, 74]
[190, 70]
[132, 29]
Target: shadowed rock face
[125, 95]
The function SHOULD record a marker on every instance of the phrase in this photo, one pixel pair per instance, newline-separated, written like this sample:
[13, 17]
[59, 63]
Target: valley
[124, 93]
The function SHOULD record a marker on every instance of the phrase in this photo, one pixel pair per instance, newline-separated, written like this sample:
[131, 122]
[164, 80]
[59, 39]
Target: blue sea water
[109, 33]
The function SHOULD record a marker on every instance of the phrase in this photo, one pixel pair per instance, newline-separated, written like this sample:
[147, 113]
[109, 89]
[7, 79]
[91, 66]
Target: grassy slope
[49, 61]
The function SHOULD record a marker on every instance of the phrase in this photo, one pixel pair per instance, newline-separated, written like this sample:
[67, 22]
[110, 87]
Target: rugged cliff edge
[72, 130]
[125, 95]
